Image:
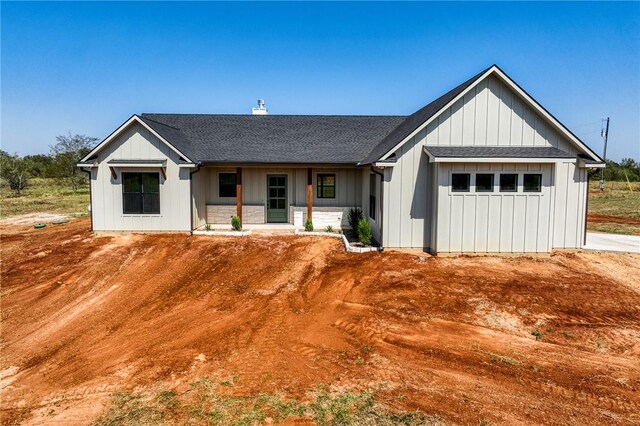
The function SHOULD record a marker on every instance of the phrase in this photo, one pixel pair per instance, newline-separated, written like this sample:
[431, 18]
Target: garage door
[494, 208]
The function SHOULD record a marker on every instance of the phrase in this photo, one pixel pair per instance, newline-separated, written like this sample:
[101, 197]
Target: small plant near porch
[235, 223]
[308, 225]
[208, 227]
[355, 216]
[364, 232]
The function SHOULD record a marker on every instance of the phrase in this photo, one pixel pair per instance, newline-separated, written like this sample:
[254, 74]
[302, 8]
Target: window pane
[132, 203]
[508, 182]
[329, 192]
[151, 203]
[460, 182]
[372, 207]
[151, 182]
[532, 183]
[130, 182]
[281, 181]
[372, 184]
[227, 184]
[484, 182]
[281, 192]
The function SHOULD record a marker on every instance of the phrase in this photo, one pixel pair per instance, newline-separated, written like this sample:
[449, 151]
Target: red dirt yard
[86, 315]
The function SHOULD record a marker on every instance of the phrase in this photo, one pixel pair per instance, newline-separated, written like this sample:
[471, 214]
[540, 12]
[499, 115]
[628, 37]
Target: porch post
[309, 194]
[239, 193]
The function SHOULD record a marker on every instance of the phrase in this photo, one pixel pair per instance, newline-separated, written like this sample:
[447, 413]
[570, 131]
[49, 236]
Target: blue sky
[87, 67]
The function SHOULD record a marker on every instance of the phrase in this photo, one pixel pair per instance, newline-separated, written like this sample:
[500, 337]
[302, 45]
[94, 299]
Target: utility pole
[605, 134]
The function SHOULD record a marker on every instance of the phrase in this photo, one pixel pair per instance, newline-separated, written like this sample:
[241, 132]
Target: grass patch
[204, 403]
[496, 358]
[43, 196]
[616, 201]
[615, 228]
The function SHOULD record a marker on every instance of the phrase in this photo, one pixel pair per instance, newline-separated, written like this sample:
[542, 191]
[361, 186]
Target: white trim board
[514, 86]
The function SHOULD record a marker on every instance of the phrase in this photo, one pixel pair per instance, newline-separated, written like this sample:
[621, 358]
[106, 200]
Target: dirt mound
[507, 340]
[603, 218]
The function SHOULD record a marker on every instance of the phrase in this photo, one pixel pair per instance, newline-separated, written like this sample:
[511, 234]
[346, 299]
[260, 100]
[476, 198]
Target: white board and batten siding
[490, 114]
[136, 142]
[327, 211]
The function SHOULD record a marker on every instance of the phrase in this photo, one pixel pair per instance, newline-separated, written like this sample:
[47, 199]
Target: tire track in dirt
[285, 314]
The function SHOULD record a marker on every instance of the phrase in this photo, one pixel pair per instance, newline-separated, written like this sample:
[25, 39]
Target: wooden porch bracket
[239, 193]
[309, 194]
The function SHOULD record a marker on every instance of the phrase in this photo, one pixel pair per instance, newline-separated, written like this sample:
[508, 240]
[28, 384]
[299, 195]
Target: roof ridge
[147, 114]
[145, 117]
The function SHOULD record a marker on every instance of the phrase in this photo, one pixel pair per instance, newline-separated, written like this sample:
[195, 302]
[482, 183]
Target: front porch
[275, 198]
[253, 227]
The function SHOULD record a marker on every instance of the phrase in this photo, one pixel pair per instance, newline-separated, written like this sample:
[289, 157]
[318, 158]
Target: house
[483, 168]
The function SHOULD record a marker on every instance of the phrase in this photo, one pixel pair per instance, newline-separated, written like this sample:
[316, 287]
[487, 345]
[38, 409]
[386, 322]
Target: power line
[605, 134]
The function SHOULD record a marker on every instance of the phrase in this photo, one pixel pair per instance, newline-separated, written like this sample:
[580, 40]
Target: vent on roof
[261, 110]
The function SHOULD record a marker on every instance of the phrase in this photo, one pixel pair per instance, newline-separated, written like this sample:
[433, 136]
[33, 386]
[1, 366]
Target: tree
[39, 165]
[66, 153]
[13, 169]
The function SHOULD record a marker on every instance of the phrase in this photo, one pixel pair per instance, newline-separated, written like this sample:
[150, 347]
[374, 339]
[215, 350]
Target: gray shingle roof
[319, 139]
[273, 138]
[496, 152]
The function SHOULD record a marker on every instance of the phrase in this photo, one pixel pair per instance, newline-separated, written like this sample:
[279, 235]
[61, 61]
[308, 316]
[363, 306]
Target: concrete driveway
[612, 242]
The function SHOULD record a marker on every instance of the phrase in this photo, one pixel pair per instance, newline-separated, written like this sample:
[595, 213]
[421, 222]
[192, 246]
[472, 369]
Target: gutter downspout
[191, 195]
[88, 172]
[381, 204]
[586, 211]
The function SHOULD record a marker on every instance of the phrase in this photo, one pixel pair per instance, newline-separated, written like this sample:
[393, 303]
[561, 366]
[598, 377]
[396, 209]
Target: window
[484, 182]
[227, 184]
[532, 183]
[372, 196]
[141, 193]
[508, 182]
[326, 186]
[460, 182]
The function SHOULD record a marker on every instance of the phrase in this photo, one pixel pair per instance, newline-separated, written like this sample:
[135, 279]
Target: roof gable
[175, 138]
[423, 117]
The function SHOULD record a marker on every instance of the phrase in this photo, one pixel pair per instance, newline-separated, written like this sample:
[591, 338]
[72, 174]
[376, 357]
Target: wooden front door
[277, 199]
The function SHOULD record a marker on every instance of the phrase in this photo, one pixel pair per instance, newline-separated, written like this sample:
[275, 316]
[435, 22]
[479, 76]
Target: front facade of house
[482, 169]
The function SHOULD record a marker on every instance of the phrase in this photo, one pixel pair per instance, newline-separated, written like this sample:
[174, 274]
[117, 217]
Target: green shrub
[235, 223]
[364, 232]
[355, 216]
[329, 228]
[207, 227]
[308, 225]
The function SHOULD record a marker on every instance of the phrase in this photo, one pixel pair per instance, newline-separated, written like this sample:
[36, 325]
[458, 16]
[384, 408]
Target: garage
[494, 207]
